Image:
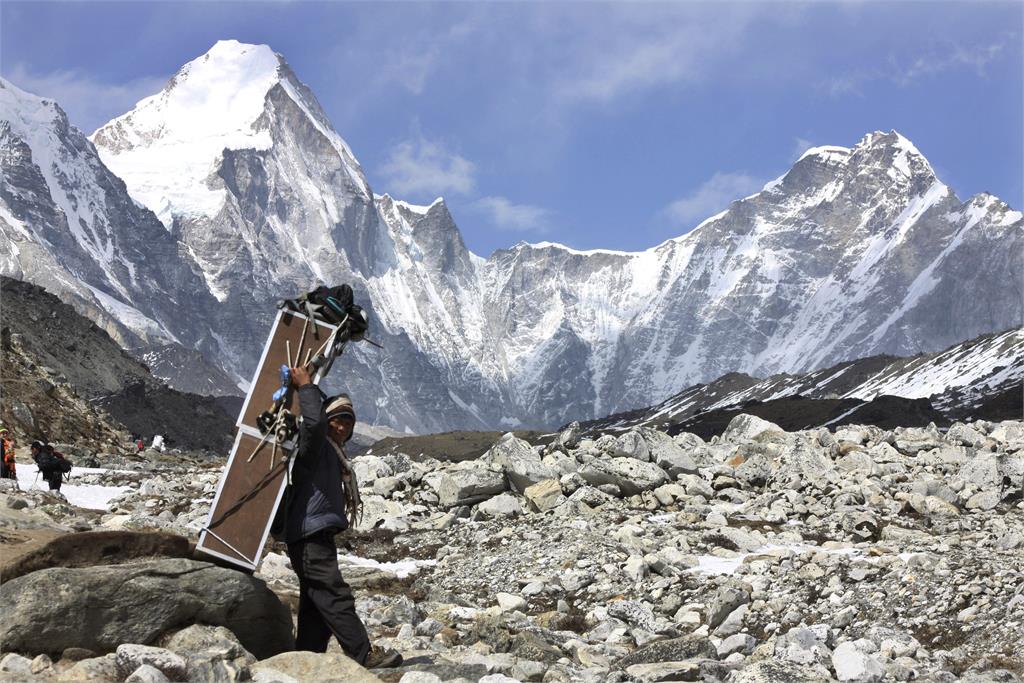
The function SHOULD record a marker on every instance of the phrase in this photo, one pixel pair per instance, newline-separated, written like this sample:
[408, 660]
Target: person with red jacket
[8, 466]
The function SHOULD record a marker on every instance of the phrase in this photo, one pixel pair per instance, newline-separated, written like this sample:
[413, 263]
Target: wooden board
[246, 498]
[250, 489]
[287, 332]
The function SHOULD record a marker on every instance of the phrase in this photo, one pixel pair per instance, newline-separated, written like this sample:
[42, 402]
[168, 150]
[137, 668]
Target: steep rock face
[69, 225]
[853, 252]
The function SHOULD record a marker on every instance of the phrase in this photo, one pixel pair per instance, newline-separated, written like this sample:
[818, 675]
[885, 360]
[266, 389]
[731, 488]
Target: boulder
[92, 548]
[99, 669]
[802, 645]
[520, 463]
[328, 667]
[664, 671]
[213, 653]
[672, 650]
[982, 471]
[851, 664]
[369, 468]
[544, 495]
[503, 505]
[130, 657]
[629, 445]
[560, 462]
[147, 673]
[467, 486]
[725, 600]
[100, 608]
[773, 671]
[629, 475]
[667, 454]
[744, 428]
[634, 613]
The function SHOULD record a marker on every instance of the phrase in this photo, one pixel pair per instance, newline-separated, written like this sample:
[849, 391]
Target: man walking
[51, 463]
[323, 500]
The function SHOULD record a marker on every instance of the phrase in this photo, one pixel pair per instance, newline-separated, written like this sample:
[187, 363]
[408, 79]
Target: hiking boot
[382, 658]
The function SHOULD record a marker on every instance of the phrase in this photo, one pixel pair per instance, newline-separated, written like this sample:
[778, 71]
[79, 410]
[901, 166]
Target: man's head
[37, 446]
[341, 418]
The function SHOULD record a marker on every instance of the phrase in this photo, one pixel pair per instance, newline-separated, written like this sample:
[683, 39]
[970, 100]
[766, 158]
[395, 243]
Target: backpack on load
[332, 305]
[63, 464]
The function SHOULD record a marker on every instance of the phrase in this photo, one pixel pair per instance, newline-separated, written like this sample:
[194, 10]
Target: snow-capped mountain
[853, 252]
[69, 225]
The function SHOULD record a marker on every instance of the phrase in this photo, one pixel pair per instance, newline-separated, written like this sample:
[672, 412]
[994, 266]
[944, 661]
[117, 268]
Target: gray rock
[100, 669]
[502, 505]
[746, 428]
[147, 673]
[664, 671]
[213, 642]
[739, 642]
[328, 667]
[667, 454]
[508, 602]
[520, 463]
[63, 603]
[672, 650]
[774, 671]
[469, 485]
[629, 445]
[634, 613]
[723, 602]
[850, 664]
[16, 664]
[982, 471]
[629, 475]
[983, 500]
[130, 657]
[802, 645]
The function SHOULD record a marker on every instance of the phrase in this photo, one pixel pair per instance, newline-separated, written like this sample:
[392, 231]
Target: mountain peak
[167, 145]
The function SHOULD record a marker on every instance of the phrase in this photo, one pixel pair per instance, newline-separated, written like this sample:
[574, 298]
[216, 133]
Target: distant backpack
[63, 464]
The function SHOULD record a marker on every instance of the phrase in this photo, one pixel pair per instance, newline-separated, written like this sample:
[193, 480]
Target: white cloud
[424, 168]
[932, 63]
[714, 195]
[89, 103]
[518, 217]
[644, 47]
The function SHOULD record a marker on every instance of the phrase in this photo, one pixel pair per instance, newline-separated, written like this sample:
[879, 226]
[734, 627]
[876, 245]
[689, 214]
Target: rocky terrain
[859, 554]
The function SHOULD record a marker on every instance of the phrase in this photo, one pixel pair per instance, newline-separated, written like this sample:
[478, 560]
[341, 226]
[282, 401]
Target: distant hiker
[140, 445]
[323, 499]
[52, 464]
[8, 466]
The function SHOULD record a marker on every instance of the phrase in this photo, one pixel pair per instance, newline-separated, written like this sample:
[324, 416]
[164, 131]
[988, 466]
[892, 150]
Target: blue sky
[598, 125]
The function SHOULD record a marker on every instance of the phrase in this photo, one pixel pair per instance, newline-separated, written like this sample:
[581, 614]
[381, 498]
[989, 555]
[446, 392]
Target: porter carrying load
[310, 332]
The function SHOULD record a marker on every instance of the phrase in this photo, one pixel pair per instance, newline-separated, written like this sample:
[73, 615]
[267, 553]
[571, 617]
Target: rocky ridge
[68, 381]
[980, 378]
[859, 554]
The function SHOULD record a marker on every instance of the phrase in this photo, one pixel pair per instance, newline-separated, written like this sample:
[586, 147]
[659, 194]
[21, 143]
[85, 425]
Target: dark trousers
[326, 604]
[54, 479]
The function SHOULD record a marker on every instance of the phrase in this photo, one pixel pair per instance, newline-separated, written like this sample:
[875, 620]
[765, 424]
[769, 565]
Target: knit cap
[340, 405]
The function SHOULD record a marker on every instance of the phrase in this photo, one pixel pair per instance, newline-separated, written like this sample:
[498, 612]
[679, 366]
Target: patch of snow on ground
[89, 496]
[401, 569]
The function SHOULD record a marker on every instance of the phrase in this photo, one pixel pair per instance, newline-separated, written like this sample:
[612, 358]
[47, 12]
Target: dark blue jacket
[315, 501]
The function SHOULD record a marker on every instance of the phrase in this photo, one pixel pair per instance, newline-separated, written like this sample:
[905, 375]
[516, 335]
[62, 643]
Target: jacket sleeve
[313, 427]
